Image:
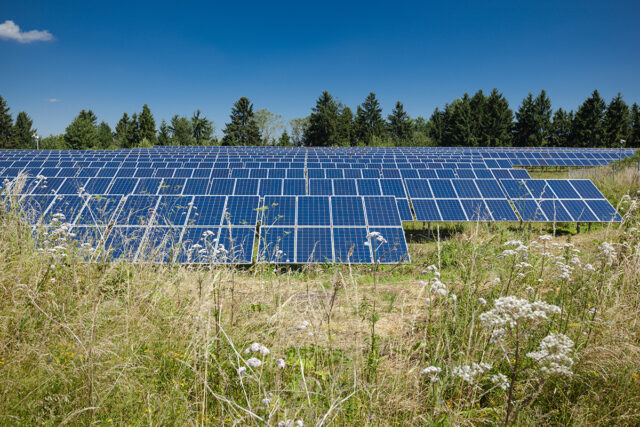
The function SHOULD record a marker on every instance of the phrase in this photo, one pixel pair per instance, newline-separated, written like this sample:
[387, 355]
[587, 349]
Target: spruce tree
[322, 129]
[497, 122]
[6, 124]
[147, 125]
[560, 134]
[202, 129]
[123, 132]
[181, 131]
[164, 136]
[242, 130]
[399, 126]
[346, 135]
[587, 129]
[285, 139]
[435, 128]
[478, 106]
[634, 134]
[82, 134]
[104, 136]
[369, 123]
[23, 136]
[461, 125]
[616, 122]
[135, 137]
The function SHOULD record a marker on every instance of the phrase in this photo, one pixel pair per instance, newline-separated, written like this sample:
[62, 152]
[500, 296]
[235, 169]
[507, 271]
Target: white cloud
[10, 31]
[52, 100]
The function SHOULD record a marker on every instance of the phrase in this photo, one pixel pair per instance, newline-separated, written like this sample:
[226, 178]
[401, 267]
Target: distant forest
[476, 121]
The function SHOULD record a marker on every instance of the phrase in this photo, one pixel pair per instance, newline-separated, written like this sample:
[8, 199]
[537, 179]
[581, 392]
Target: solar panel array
[203, 204]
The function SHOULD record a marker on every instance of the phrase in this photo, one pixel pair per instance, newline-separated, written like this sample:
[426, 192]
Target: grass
[122, 344]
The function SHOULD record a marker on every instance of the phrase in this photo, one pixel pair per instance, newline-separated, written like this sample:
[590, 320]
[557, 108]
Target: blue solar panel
[148, 186]
[529, 210]
[48, 186]
[382, 211]
[313, 245]
[404, 210]
[277, 244]
[69, 206]
[196, 186]
[246, 187]
[347, 211]
[395, 248]
[313, 210]
[221, 186]
[173, 210]
[99, 210]
[466, 188]
[241, 210]
[258, 173]
[334, 173]
[520, 174]
[172, 186]
[206, 210]
[490, 189]
[239, 173]
[579, 211]
[451, 210]
[392, 187]
[353, 173]
[122, 186]
[345, 187]
[442, 189]
[279, 211]
[200, 245]
[515, 189]
[539, 189]
[563, 189]
[315, 174]
[295, 173]
[294, 187]
[349, 245]
[501, 210]
[604, 211]
[445, 173]
[34, 207]
[476, 210]
[555, 211]
[426, 210]
[586, 189]
[123, 243]
[238, 243]
[320, 187]
[368, 187]
[137, 210]
[162, 245]
[271, 187]
[418, 188]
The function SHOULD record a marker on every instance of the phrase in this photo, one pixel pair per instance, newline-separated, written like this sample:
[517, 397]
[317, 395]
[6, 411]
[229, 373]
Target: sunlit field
[489, 324]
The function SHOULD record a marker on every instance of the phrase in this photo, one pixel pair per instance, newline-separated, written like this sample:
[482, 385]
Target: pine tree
[616, 122]
[284, 140]
[104, 136]
[134, 138]
[460, 129]
[497, 121]
[82, 134]
[147, 125]
[435, 127]
[369, 123]
[6, 124]
[634, 134]
[478, 106]
[298, 130]
[242, 130]
[346, 135]
[23, 136]
[202, 129]
[181, 131]
[560, 134]
[399, 126]
[164, 136]
[123, 132]
[533, 121]
[587, 129]
[322, 130]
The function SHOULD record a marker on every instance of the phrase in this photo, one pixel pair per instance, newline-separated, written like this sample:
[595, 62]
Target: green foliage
[243, 129]
[634, 137]
[269, 124]
[23, 135]
[560, 134]
[285, 139]
[533, 124]
[616, 122]
[202, 129]
[105, 136]
[587, 129]
[164, 134]
[6, 124]
[147, 126]
[53, 142]
[181, 131]
[497, 121]
[399, 126]
[322, 130]
[369, 123]
[82, 133]
[298, 130]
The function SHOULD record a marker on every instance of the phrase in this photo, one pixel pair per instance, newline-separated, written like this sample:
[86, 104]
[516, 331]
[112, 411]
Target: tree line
[476, 121]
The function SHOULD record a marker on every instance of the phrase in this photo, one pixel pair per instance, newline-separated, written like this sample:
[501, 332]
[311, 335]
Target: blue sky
[179, 56]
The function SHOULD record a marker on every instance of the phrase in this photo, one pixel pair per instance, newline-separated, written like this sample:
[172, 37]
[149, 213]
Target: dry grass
[123, 344]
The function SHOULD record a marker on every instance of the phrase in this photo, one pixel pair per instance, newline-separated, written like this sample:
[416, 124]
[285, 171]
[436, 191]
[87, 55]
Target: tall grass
[136, 344]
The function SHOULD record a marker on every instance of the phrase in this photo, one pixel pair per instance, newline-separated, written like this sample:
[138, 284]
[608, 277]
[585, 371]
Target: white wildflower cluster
[254, 362]
[438, 288]
[56, 237]
[375, 235]
[303, 325]
[607, 253]
[257, 348]
[500, 380]
[514, 248]
[509, 311]
[291, 423]
[468, 373]
[432, 373]
[554, 355]
[212, 251]
[280, 364]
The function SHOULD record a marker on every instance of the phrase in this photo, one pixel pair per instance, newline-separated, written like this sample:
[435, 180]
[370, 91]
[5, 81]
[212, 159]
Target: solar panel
[137, 210]
[501, 210]
[345, 187]
[451, 210]
[238, 243]
[347, 211]
[418, 188]
[466, 188]
[392, 251]
[516, 189]
[123, 243]
[555, 211]
[476, 210]
[278, 211]
[206, 210]
[586, 189]
[68, 206]
[539, 189]
[404, 210]
[313, 210]
[221, 186]
[173, 210]
[294, 187]
[490, 189]
[196, 186]
[99, 210]
[382, 211]
[563, 189]
[277, 245]
[392, 187]
[426, 210]
[368, 187]
[349, 245]
[579, 211]
[162, 245]
[148, 186]
[246, 187]
[34, 207]
[604, 211]
[241, 210]
[313, 245]
[442, 189]
[270, 187]
[529, 210]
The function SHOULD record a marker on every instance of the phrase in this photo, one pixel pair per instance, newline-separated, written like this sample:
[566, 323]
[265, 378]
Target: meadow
[489, 324]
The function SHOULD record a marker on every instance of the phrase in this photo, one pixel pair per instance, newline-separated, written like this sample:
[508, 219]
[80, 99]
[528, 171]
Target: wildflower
[438, 287]
[607, 252]
[377, 236]
[254, 362]
[545, 238]
[242, 371]
[280, 364]
[482, 301]
[554, 355]
[513, 243]
[432, 373]
[454, 298]
[496, 280]
[427, 300]
[257, 348]
[468, 373]
[588, 267]
[500, 380]
[304, 325]
[422, 283]
[266, 401]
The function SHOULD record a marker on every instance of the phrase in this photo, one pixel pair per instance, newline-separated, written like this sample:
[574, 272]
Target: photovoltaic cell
[586, 189]
[442, 189]
[173, 210]
[241, 210]
[501, 210]
[426, 210]
[196, 186]
[221, 186]
[368, 187]
[294, 187]
[555, 211]
[123, 243]
[604, 211]
[418, 188]
[313, 210]
[277, 245]
[466, 188]
[137, 210]
[69, 206]
[349, 245]
[539, 189]
[563, 189]
[246, 187]
[238, 243]
[320, 187]
[404, 210]
[382, 211]
[579, 211]
[451, 210]
[345, 187]
[347, 211]
[392, 187]
[476, 210]
[490, 189]
[313, 244]
[206, 210]
[395, 248]
[515, 189]
[99, 210]
[529, 210]
[270, 187]
[279, 211]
